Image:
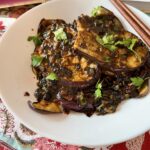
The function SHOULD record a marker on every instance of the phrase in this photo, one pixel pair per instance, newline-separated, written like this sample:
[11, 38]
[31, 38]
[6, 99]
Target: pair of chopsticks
[134, 21]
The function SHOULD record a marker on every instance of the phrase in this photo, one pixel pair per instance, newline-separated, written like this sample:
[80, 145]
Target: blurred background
[10, 3]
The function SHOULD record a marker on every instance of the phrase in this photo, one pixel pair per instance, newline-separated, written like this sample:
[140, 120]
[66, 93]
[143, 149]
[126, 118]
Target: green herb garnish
[125, 42]
[60, 35]
[35, 39]
[82, 100]
[137, 81]
[52, 76]
[107, 59]
[107, 41]
[110, 47]
[36, 60]
[98, 92]
[96, 11]
[132, 44]
[99, 40]
[129, 43]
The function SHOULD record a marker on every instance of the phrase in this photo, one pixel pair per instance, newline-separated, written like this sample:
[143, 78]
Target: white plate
[132, 117]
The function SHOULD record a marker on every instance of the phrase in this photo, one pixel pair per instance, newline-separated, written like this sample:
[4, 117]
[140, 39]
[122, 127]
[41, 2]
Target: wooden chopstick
[135, 22]
[135, 17]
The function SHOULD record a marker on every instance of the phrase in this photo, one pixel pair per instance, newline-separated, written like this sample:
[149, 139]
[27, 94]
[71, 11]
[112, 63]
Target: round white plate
[16, 77]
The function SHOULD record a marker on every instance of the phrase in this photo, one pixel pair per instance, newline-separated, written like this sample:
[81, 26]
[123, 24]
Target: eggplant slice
[104, 22]
[144, 90]
[126, 56]
[45, 107]
[73, 70]
[91, 31]
[83, 73]
[47, 26]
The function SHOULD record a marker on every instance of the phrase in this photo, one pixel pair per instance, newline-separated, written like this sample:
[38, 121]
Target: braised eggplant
[116, 52]
[104, 21]
[45, 107]
[72, 69]
[88, 66]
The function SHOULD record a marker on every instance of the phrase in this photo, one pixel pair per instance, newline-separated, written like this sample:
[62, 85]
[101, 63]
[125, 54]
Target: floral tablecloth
[15, 136]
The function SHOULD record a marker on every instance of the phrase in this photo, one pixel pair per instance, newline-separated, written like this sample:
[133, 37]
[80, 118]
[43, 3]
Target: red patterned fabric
[2, 27]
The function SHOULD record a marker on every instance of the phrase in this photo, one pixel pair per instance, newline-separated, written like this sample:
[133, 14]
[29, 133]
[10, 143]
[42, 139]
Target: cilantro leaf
[107, 59]
[98, 92]
[99, 40]
[110, 47]
[137, 81]
[133, 42]
[35, 39]
[125, 42]
[96, 11]
[98, 85]
[60, 35]
[107, 41]
[129, 43]
[36, 60]
[99, 10]
[52, 76]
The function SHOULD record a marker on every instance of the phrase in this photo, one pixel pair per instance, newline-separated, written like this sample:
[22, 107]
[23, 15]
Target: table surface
[14, 135]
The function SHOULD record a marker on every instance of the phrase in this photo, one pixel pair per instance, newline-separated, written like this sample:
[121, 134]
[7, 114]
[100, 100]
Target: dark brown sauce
[26, 94]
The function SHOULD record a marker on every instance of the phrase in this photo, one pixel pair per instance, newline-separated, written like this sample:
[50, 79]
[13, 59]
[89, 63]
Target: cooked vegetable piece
[102, 22]
[125, 51]
[144, 90]
[78, 74]
[87, 44]
[73, 106]
[30, 104]
[47, 106]
[72, 70]
[48, 26]
[78, 71]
